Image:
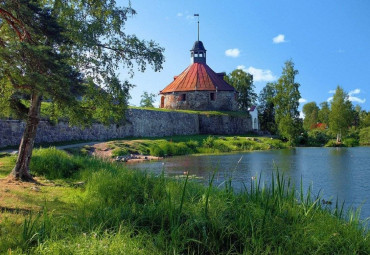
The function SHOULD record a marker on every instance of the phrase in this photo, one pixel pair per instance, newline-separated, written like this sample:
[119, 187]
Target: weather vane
[197, 15]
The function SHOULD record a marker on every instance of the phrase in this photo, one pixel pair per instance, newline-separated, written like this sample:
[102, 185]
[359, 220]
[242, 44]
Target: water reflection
[337, 172]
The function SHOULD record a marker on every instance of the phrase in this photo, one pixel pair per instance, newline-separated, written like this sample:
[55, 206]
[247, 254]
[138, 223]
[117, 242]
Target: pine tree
[66, 52]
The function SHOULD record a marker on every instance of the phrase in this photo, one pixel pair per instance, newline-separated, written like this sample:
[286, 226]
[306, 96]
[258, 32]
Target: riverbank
[89, 206]
[178, 145]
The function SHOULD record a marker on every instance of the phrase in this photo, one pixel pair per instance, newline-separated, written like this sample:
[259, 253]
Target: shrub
[181, 149]
[333, 143]
[209, 141]
[193, 145]
[53, 163]
[365, 136]
[157, 151]
[350, 142]
[317, 137]
[119, 152]
[222, 146]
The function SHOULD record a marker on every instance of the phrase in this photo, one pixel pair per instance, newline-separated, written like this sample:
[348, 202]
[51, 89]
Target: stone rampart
[140, 123]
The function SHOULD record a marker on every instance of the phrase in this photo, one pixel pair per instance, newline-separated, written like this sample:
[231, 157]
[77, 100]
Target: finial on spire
[197, 15]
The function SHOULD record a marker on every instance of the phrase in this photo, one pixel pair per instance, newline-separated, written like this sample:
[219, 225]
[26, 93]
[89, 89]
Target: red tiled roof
[198, 76]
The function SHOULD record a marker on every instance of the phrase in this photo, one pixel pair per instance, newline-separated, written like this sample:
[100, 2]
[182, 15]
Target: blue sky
[329, 42]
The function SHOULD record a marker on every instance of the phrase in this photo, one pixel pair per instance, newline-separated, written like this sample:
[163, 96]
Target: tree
[243, 83]
[147, 100]
[266, 108]
[310, 111]
[323, 115]
[286, 103]
[341, 114]
[67, 52]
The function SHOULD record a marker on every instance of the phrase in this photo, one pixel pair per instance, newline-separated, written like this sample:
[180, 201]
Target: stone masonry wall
[201, 100]
[140, 123]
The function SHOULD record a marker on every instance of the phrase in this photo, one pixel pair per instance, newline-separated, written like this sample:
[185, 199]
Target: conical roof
[198, 76]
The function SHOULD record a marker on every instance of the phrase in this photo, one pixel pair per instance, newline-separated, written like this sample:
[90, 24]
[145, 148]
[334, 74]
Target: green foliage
[333, 143]
[310, 111]
[130, 212]
[53, 164]
[67, 52]
[350, 142]
[243, 83]
[266, 109]
[365, 136]
[341, 113]
[183, 145]
[120, 152]
[209, 141]
[323, 115]
[147, 100]
[318, 137]
[286, 104]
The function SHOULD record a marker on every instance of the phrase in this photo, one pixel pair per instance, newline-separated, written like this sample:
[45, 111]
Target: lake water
[336, 172]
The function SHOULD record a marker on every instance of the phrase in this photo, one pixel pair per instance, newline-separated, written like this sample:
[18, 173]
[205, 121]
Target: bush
[365, 136]
[53, 163]
[317, 137]
[181, 149]
[193, 145]
[222, 146]
[119, 152]
[209, 141]
[350, 142]
[157, 151]
[333, 143]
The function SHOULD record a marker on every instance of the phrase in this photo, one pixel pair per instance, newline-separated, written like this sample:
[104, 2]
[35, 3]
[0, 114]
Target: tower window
[183, 97]
[212, 96]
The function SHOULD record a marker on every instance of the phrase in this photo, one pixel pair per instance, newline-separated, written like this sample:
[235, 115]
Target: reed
[126, 212]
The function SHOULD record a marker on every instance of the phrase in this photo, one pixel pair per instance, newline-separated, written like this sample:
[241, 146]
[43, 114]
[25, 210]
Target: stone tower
[198, 87]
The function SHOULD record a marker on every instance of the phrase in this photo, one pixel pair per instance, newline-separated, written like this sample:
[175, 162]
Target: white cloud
[258, 74]
[279, 39]
[350, 96]
[179, 14]
[301, 115]
[353, 92]
[234, 53]
[356, 99]
[302, 100]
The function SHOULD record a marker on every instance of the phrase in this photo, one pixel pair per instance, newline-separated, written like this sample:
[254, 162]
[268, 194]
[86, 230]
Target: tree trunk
[339, 138]
[21, 171]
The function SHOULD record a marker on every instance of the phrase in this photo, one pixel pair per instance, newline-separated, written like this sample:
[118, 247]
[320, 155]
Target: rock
[78, 184]
[35, 188]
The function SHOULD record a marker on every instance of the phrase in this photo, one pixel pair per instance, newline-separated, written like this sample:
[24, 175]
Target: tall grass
[183, 145]
[127, 212]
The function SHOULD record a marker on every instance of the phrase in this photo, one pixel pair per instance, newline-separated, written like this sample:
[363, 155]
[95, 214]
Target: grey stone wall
[140, 123]
[201, 100]
[224, 125]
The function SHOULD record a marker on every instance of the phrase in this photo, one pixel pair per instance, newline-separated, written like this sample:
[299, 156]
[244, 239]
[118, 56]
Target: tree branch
[16, 24]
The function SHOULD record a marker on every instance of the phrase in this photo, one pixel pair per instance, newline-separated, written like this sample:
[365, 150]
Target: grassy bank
[183, 145]
[96, 207]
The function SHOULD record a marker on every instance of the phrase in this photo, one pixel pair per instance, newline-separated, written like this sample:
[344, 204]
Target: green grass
[119, 211]
[210, 113]
[183, 145]
[7, 163]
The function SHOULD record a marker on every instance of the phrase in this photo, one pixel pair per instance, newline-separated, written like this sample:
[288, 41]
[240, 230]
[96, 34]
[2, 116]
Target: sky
[329, 42]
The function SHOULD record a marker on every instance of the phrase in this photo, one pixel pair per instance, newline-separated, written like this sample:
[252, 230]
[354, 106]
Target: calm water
[337, 172]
